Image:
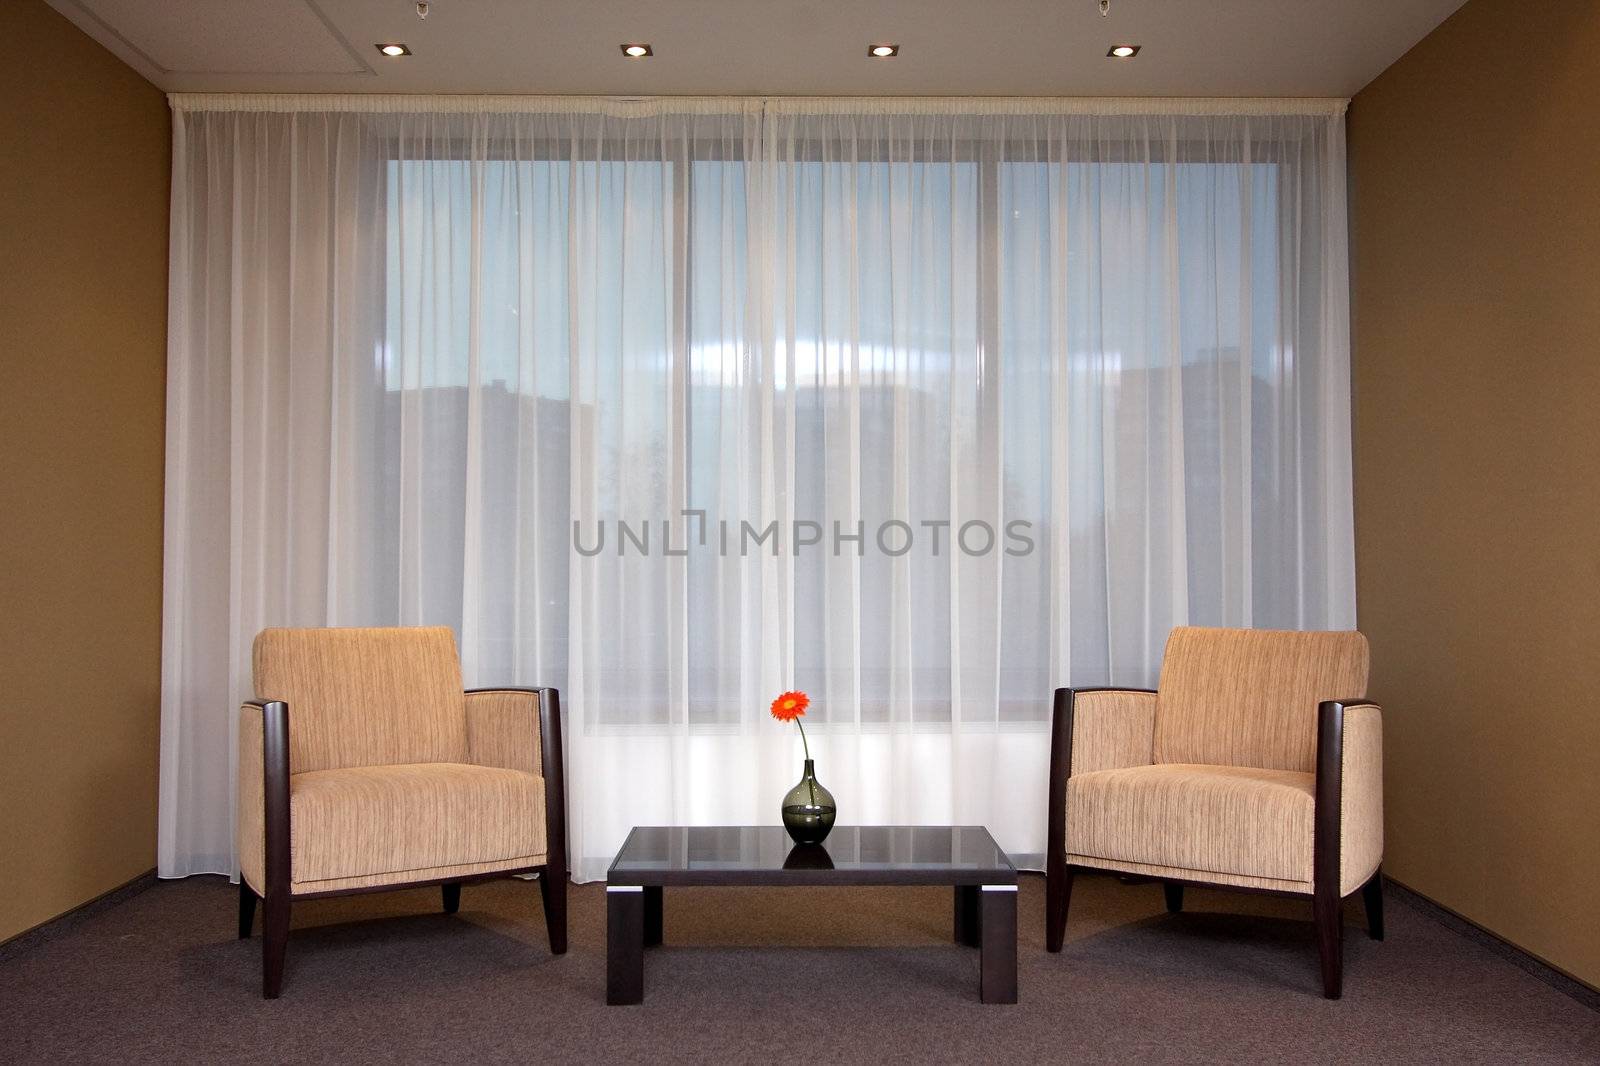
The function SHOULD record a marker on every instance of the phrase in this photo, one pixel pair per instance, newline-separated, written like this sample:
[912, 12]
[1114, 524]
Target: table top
[852, 855]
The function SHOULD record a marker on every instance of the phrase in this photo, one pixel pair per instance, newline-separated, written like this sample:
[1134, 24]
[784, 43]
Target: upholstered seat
[364, 765]
[1241, 824]
[374, 825]
[1257, 764]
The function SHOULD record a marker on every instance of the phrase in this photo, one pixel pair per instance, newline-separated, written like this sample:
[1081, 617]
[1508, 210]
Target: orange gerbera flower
[790, 706]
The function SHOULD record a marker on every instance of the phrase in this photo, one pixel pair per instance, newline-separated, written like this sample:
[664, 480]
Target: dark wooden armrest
[532, 690]
[1107, 688]
[1329, 791]
[555, 785]
[275, 790]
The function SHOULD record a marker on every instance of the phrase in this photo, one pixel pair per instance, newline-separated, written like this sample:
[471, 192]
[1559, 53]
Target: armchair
[1250, 767]
[364, 767]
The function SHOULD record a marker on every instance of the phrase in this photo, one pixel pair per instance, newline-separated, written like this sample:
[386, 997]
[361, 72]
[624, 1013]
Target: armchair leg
[274, 942]
[247, 909]
[1327, 914]
[553, 887]
[1057, 897]
[1372, 899]
[452, 896]
[1174, 893]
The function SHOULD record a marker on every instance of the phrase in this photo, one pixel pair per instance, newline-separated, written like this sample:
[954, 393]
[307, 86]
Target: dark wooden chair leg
[554, 891]
[452, 896]
[1372, 900]
[1327, 913]
[1057, 897]
[1174, 893]
[247, 909]
[274, 942]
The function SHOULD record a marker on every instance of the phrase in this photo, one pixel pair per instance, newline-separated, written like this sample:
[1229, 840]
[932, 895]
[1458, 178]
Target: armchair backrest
[365, 697]
[1248, 697]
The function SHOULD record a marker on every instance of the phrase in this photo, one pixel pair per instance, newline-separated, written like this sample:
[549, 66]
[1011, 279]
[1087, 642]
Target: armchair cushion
[395, 823]
[1197, 821]
[365, 697]
[1248, 697]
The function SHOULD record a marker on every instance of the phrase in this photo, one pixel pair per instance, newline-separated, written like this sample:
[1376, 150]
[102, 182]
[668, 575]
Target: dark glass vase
[808, 809]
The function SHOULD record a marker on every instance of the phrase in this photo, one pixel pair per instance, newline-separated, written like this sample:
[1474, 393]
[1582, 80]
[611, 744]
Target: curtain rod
[644, 107]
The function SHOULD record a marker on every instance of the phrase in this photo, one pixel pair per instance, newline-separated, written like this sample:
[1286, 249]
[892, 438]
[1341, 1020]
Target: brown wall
[1475, 207]
[84, 158]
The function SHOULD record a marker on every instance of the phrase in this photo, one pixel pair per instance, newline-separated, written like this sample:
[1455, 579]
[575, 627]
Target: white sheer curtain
[1072, 372]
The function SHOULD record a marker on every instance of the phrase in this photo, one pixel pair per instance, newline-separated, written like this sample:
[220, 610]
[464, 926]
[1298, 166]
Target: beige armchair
[363, 766]
[1256, 765]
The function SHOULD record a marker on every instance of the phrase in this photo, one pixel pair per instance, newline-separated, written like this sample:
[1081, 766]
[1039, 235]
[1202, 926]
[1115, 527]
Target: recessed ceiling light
[1123, 51]
[883, 51]
[394, 49]
[637, 51]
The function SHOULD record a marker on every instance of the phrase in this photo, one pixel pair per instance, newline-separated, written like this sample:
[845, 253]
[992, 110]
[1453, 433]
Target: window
[932, 326]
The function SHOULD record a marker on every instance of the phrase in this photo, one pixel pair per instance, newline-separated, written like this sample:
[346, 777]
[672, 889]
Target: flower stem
[810, 781]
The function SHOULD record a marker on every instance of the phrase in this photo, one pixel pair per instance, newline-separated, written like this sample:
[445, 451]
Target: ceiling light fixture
[883, 51]
[394, 49]
[637, 51]
[1123, 51]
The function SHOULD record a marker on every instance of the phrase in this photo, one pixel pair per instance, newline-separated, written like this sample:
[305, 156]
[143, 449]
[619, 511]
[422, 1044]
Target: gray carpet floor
[806, 976]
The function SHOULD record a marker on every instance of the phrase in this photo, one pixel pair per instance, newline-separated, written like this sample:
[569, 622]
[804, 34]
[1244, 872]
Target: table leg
[624, 944]
[968, 928]
[652, 915]
[997, 966]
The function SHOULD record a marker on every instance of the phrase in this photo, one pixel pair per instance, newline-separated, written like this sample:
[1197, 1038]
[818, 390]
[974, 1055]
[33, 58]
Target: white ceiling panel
[226, 37]
[948, 47]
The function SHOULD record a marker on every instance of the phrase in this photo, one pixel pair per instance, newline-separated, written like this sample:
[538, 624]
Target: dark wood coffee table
[964, 857]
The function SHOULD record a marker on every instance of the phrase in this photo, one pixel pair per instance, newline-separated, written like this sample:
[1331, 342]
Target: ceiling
[765, 47]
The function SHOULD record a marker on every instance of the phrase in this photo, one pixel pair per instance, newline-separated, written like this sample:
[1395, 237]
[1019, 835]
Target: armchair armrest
[1093, 729]
[503, 729]
[520, 729]
[1111, 728]
[1348, 844]
[262, 817]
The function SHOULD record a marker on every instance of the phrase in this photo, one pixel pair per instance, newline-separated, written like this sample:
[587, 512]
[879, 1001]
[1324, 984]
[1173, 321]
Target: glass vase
[808, 809]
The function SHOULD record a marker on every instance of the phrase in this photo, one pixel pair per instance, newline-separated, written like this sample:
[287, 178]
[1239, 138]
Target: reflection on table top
[659, 855]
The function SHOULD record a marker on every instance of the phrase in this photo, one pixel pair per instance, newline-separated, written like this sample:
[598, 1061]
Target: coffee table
[965, 857]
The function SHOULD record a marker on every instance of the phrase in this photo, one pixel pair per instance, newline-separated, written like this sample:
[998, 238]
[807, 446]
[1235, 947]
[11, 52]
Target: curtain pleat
[925, 407]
